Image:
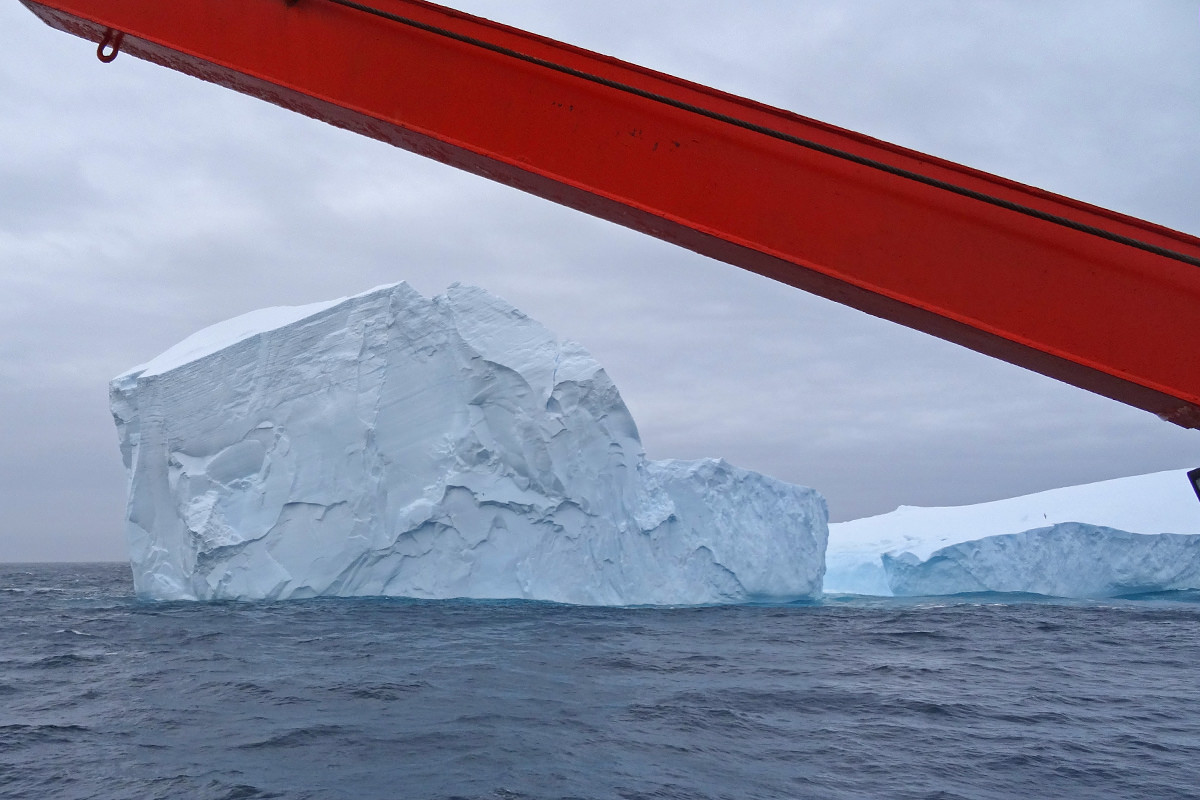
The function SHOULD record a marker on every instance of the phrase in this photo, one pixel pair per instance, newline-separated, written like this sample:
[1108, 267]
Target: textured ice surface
[389, 444]
[1149, 504]
[1070, 559]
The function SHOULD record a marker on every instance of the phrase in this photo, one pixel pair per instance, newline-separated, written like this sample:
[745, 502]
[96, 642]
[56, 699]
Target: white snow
[1162, 502]
[388, 444]
[227, 333]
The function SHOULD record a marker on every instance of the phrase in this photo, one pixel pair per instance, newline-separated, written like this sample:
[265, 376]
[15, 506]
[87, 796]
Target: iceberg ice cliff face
[389, 444]
[1146, 504]
[1070, 559]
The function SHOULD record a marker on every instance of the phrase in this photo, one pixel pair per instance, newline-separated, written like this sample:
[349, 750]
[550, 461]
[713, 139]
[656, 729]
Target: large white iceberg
[1070, 559]
[1141, 505]
[389, 444]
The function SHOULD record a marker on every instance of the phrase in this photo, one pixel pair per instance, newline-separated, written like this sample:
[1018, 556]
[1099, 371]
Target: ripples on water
[984, 697]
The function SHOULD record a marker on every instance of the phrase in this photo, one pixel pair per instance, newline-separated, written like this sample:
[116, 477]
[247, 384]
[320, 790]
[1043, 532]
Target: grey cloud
[137, 205]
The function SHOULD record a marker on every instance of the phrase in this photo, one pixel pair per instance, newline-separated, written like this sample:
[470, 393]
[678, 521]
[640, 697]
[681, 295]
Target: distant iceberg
[1070, 559]
[867, 556]
[389, 444]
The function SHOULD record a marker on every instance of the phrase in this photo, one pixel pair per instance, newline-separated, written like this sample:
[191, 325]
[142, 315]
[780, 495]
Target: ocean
[103, 696]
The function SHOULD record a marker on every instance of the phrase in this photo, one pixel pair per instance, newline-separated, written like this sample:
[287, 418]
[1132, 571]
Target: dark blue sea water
[102, 696]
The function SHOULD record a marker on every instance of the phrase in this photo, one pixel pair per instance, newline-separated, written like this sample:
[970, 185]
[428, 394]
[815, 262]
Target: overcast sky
[138, 205]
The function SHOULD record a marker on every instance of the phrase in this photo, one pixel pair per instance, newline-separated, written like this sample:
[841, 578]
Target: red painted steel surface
[1098, 314]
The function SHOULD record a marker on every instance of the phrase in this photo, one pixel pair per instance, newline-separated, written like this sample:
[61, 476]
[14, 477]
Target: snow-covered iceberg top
[1161, 502]
[389, 444]
[1069, 559]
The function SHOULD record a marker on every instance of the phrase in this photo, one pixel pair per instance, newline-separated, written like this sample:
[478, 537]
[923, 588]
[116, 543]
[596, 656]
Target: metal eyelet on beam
[112, 43]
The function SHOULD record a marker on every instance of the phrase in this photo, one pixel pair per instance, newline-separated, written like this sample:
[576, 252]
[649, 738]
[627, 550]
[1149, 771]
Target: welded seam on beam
[917, 177]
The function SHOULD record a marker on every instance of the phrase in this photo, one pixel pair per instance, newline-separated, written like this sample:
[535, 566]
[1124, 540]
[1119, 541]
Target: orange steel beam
[1085, 295]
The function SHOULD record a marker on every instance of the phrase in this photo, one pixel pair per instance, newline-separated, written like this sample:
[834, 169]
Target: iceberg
[1141, 504]
[1070, 559]
[391, 445]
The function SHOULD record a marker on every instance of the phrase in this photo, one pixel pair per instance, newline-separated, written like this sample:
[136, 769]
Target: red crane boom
[1082, 294]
